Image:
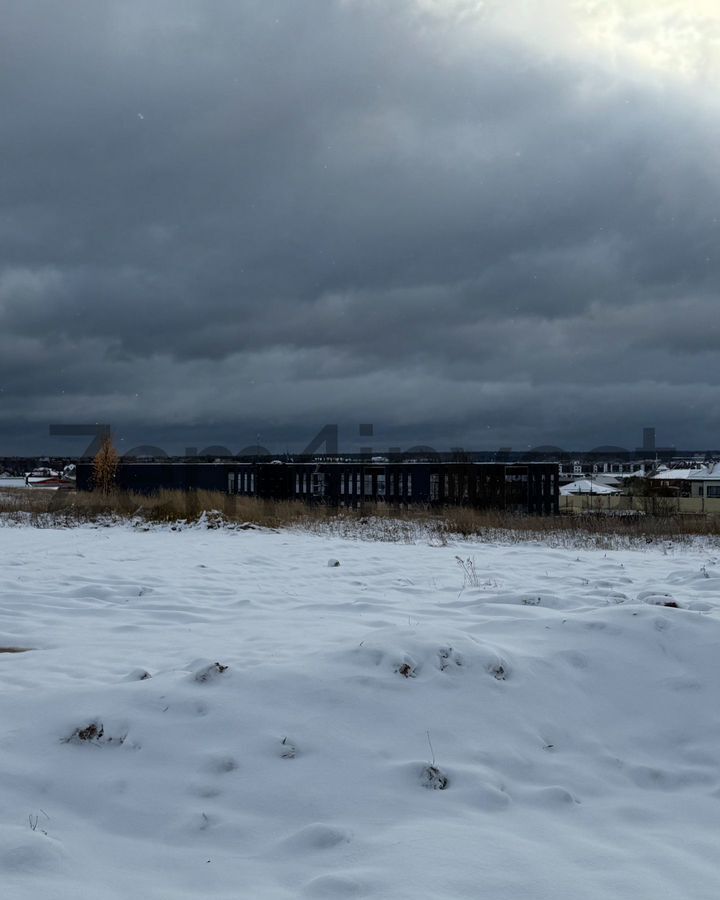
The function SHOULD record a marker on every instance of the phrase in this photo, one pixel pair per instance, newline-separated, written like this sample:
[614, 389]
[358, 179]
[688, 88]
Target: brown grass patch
[377, 521]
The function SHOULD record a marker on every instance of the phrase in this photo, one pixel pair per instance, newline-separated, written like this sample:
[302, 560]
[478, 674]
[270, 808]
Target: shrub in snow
[433, 778]
[448, 657]
[211, 519]
[333, 563]
[419, 652]
[34, 821]
[287, 749]
[94, 733]
[406, 670]
[138, 675]
[470, 574]
[499, 672]
[208, 673]
[654, 598]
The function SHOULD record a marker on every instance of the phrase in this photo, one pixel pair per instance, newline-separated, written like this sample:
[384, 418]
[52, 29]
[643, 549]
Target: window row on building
[518, 487]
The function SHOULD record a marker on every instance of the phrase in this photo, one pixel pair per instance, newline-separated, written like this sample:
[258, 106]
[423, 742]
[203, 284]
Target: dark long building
[528, 488]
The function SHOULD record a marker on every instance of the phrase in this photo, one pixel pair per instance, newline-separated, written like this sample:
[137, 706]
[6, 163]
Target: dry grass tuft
[373, 521]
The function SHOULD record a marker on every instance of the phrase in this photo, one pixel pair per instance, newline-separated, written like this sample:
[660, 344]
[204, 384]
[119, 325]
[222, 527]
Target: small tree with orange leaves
[105, 466]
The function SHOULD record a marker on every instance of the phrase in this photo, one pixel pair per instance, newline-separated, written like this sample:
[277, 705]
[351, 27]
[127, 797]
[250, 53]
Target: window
[381, 485]
[368, 486]
[713, 491]
[409, 485]
[231, 483]
[434, 487]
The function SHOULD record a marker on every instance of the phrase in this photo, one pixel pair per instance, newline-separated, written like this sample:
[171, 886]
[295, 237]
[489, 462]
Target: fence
[619, 504]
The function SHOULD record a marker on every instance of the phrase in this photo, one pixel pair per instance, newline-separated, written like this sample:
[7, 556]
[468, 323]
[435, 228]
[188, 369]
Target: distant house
[706, 482]
[675, 480]
[607, 471]
[587, 486]
[701, 481]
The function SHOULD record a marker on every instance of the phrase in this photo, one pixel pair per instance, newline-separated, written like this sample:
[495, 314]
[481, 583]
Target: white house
[587, 486]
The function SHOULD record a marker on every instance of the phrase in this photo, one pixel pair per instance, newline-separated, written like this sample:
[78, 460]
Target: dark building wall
[149, 478]
[530, 488]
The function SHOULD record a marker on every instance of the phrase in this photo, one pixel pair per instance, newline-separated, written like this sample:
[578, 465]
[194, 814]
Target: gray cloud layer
[226, 214]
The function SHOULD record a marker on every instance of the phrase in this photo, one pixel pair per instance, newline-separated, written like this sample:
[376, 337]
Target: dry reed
[372, 520]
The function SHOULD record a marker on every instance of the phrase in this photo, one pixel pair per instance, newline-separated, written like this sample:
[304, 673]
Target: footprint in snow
[334, 887]
[317, 836]
[222, 765]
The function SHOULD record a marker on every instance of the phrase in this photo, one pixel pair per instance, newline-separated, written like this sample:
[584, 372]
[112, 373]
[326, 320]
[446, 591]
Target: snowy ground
[12, 483]
[575, 719]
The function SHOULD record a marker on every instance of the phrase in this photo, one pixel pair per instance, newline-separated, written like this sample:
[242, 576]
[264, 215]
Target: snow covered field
[575, 719]
[12, 483]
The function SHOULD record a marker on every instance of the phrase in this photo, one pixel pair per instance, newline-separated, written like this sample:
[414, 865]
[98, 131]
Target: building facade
[524, 488]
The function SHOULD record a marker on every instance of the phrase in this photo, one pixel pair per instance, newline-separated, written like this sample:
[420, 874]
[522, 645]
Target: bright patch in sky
[670, 36]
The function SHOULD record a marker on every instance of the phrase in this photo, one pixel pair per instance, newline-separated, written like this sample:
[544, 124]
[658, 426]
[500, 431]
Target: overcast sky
[469, 223]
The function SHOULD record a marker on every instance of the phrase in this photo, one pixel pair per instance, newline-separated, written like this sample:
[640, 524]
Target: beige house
[706, 482]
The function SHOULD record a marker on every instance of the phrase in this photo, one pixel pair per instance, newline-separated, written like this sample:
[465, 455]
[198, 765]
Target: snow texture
[223, 714]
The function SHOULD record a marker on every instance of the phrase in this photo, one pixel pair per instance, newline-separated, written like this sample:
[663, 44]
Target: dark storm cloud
[230, 212]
